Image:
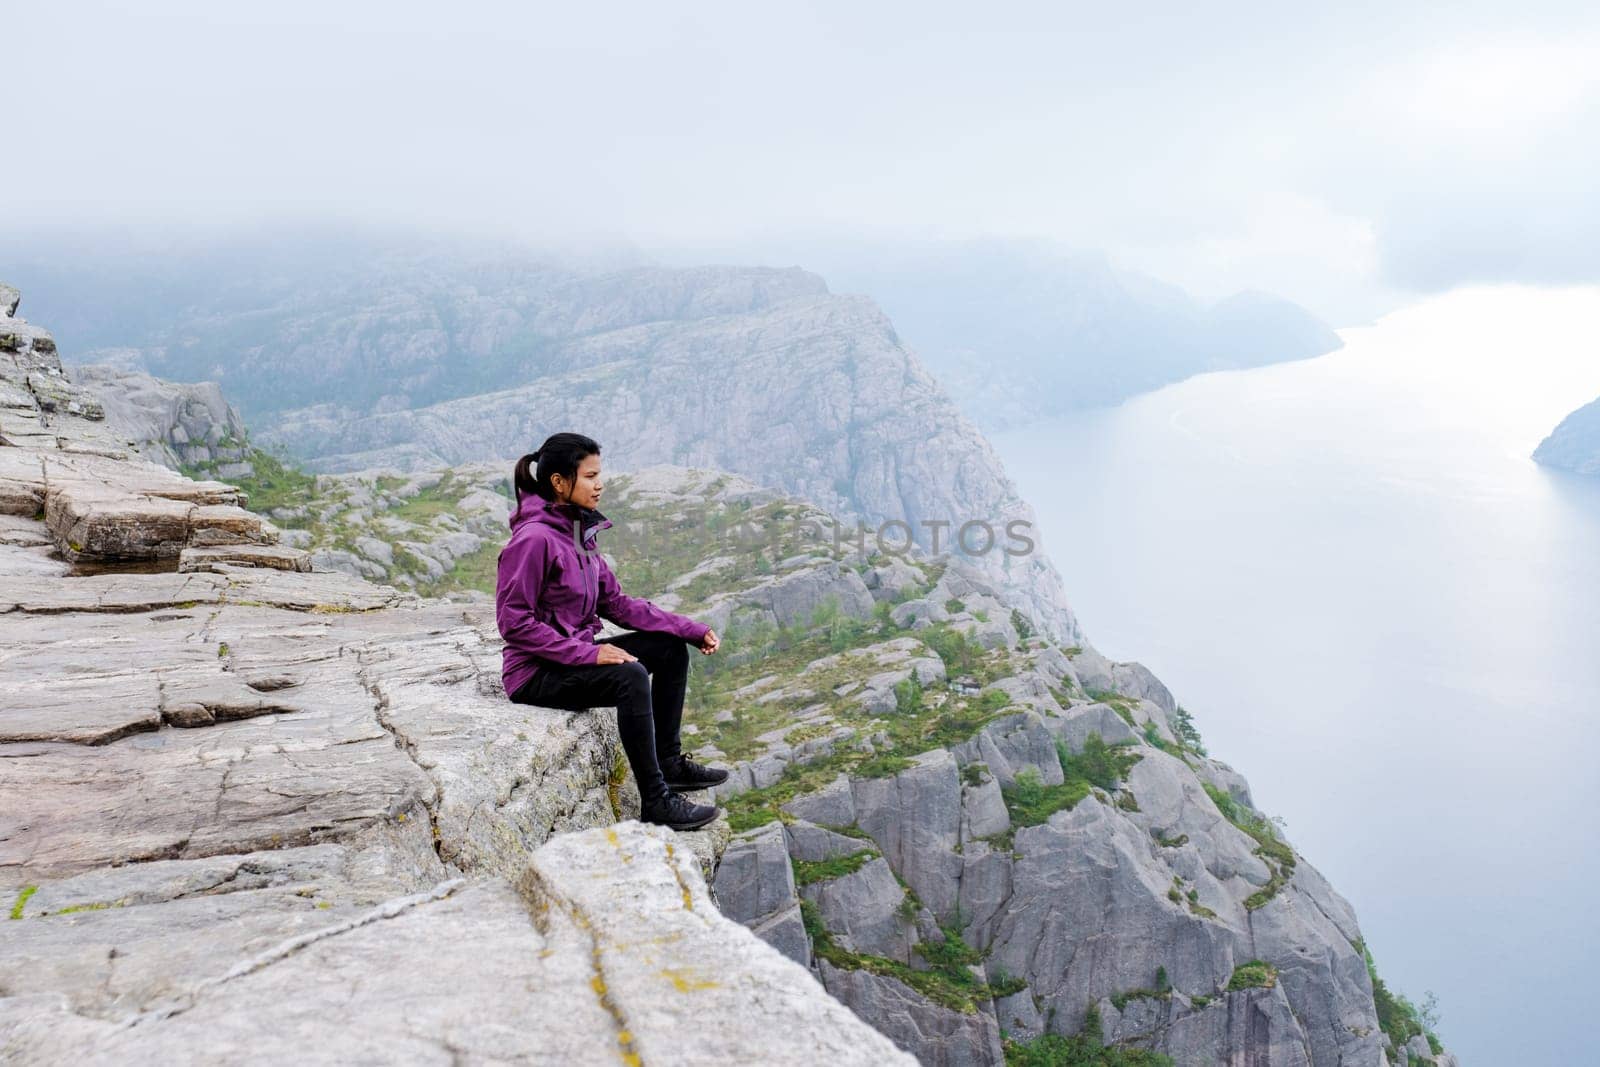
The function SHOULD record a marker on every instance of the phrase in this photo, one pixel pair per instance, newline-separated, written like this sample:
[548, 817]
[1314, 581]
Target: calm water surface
[1385, 615]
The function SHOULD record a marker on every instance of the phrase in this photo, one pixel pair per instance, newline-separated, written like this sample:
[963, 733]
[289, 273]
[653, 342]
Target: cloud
[1482, 161]
[1333, 156]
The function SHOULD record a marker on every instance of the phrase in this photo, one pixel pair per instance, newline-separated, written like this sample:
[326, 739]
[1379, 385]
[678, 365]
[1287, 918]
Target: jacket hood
[559, 517]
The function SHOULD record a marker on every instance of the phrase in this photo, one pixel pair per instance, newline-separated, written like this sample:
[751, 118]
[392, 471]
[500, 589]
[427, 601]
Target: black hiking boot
[685, 775]
[679, 812]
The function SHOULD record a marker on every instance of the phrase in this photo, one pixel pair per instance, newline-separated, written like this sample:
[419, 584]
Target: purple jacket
[550, 596]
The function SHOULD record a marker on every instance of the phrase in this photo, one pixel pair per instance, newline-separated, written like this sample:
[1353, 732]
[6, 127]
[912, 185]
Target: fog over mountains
[360, 353]
[1018, 331]
[1011, 329]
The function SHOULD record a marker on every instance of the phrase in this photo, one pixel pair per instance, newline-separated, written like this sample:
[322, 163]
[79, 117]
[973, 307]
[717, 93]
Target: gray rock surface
[861, 909]
[1012, 744]
[226, 786]
[940, 1037]
[1019, 1017]
[244, 786]
[603, 946]
[169, 423]
[754, 885]
[832, 805]
[787, 599]
[848, 418]
[1249, 1026]
[1087, 869]
[814, 843]
[915, 818]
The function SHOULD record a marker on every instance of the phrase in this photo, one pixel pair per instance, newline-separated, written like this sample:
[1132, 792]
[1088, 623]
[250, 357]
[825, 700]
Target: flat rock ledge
[607, 948]
[100, 502]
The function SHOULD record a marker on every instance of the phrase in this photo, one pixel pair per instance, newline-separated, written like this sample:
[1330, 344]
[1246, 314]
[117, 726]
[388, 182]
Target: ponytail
[560, 454]
[523, 476]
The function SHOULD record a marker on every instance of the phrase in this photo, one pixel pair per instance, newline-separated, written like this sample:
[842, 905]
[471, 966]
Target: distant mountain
[1018, 331]
[410, 361]
[361, 353]
[798, 389]
[1575, 444]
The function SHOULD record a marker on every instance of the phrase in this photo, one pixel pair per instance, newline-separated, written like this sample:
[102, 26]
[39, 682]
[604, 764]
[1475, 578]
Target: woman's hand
[709, 644]
[610, 653]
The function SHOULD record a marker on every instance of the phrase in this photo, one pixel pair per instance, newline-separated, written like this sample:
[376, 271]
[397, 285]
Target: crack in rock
[387, 910]
[541, 897]
[380, 707]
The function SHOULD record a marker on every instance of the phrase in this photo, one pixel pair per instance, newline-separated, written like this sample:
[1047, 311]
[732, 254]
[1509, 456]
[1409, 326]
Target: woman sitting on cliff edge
[552, 590]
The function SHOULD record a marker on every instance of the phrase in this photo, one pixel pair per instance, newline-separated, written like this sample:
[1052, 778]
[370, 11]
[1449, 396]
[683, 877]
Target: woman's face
[585, 490]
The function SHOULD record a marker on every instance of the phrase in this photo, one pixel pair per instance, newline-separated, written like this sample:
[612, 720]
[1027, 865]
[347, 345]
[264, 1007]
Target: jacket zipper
[588, 608]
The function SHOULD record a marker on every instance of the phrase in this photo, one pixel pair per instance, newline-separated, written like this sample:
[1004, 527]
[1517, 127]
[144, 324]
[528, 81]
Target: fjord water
[1380, 610]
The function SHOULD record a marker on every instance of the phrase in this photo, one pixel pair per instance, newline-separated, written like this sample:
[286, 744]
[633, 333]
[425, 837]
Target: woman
[553, 589]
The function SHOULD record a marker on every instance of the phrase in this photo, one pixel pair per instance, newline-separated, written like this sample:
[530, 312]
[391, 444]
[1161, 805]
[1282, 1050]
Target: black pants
[649, 714]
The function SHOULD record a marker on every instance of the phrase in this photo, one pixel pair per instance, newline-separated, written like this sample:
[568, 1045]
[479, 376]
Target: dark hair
[560, 454]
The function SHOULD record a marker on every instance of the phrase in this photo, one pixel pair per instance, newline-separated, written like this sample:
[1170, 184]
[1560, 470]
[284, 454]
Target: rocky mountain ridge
[825, 405]
[829, 731]
[971, 831]
[756, 371]
[1019, 332]
[242, 784]
[989, 845]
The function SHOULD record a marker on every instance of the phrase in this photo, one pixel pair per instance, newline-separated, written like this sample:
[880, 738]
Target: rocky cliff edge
[250, 812]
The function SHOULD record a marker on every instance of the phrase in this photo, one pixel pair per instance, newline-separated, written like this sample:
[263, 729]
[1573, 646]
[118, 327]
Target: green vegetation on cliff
[1272, 850]
[1397, 1015]
[949, 981]
[1099, 765]
[1083, 1049]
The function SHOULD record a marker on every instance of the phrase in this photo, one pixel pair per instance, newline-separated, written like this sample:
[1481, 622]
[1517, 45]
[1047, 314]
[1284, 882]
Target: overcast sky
[1347, 159]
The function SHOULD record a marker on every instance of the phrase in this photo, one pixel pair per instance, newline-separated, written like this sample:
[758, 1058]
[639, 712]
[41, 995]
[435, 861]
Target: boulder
[935, 1035]
[276, 557]
[754, 881]
[862, 911]
[832, 805]
[1075, 724]
[813, 843]
[915, 818]
[983, 810]
[1010, 744]
[892, 579]
[1088, 868]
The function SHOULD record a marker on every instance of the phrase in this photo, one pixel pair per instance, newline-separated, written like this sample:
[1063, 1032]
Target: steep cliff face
[1575, 444]
[250, 813]
[240, 783]
[814, 396]
[976, 837]
[971, 831]
[392, 331]
[416, 363]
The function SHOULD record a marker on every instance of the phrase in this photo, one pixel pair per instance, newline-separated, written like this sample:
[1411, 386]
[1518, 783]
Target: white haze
[1344, 158]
